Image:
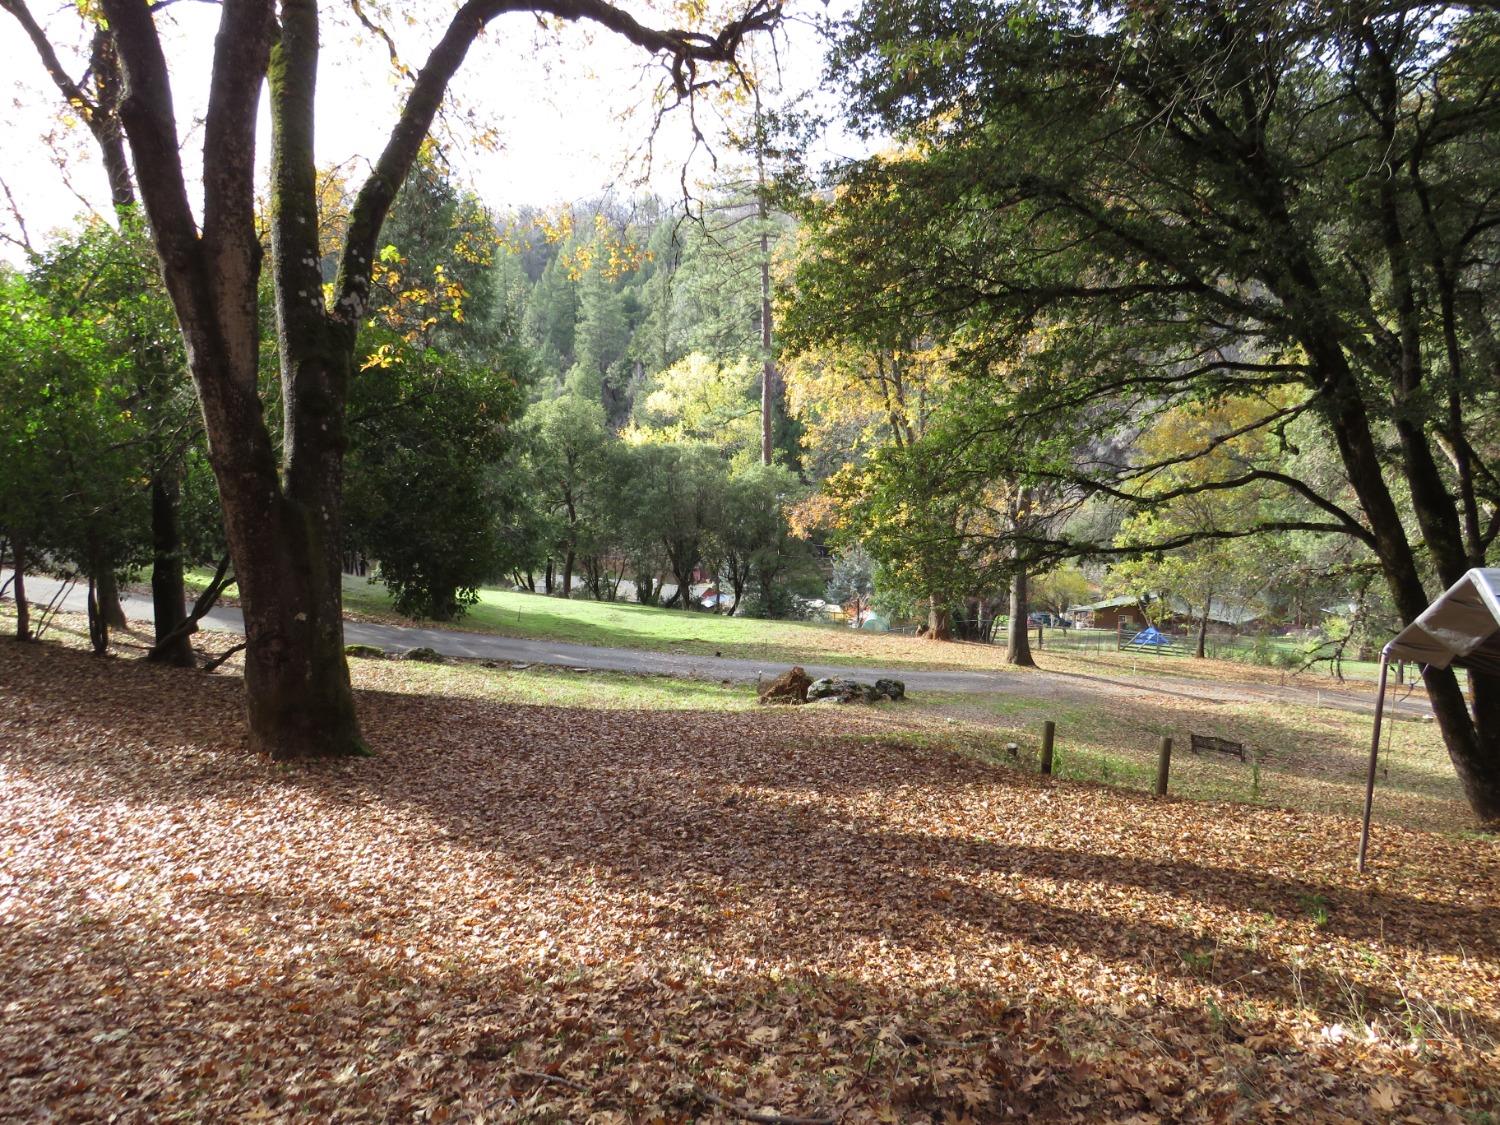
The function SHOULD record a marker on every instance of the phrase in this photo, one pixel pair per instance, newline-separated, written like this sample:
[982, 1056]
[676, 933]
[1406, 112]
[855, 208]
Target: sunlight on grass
[1299, 757]
[544, 686]
[653, 629]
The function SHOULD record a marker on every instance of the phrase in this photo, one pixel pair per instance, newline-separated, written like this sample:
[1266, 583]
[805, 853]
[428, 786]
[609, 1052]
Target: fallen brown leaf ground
[573, 913]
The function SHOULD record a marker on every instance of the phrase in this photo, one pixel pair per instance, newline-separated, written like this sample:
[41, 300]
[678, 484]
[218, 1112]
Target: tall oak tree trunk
[1017, 637]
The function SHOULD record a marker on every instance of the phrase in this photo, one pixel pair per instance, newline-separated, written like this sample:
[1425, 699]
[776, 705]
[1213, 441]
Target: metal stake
[1364, 834]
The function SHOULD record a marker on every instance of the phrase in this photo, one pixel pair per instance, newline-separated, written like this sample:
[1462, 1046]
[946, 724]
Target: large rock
[423, 655]
[826, 687]
[789, 687]
[852, 691]
[845, 691]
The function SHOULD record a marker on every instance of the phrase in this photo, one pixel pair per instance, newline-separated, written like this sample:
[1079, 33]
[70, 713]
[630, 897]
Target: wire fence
[1290, 654]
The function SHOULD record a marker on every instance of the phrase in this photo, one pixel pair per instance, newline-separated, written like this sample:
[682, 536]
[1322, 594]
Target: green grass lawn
[609, 624]
[696, 632]
[606, 624]
[701, 633]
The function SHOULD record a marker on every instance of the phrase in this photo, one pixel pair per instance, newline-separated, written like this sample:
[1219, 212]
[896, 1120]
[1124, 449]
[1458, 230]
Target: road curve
[515, 650]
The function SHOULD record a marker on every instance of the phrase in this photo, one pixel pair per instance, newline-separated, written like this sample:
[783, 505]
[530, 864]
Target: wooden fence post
[1049, 732]
[1163, 765]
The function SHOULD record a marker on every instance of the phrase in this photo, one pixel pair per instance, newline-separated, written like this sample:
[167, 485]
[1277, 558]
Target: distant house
[1236, 615]
[1127, 610]
[1110, 613]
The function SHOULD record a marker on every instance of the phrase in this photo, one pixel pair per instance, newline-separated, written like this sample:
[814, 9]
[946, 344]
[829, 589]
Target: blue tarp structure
[1150, 637]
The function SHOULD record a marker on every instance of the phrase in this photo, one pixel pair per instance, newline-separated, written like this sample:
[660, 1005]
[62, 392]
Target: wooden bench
[1213, 742]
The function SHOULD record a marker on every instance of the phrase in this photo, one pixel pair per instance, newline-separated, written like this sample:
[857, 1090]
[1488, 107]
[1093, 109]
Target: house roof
[1226, 613]
[1127, 599]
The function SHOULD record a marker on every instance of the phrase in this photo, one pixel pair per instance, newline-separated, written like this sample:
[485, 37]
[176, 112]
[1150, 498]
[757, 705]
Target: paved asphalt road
[488, 646]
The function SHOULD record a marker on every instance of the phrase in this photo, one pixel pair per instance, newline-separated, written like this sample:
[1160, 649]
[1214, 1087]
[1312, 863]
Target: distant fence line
[1263, 649]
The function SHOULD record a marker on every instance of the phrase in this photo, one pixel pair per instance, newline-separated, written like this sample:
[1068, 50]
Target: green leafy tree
[552, 321]
[70, 483]
[570, 471]
[282, 500]
[601, 340]
[679, 492]
[753, 534]
[1264, 201]
[108, 274]
[434, 281]
[1059, 589]
[699, 399]
[423, 495]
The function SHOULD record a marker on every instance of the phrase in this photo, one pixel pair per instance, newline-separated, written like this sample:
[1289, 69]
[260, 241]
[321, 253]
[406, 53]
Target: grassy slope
[625, 625]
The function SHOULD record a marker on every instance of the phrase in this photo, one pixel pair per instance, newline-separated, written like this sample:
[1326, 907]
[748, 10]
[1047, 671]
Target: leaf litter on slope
[571, 914]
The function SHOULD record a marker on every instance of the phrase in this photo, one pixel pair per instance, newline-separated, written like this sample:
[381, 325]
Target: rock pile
[852, 691]
[796, 686]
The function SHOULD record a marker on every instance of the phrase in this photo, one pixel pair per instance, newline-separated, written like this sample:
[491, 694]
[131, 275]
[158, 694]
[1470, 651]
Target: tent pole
[1364, 835]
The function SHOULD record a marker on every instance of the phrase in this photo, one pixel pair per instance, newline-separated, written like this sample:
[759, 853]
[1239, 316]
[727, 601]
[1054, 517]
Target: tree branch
[72, 93]
[685, 49]
[201, 606]
[222, 657]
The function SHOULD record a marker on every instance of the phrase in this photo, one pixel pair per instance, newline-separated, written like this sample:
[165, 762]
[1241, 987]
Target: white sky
[571, 109]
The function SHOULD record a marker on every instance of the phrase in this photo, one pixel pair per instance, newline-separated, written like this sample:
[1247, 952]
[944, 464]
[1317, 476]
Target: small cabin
[1111, 614]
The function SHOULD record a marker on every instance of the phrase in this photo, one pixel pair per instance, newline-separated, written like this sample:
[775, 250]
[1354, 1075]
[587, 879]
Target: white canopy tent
[1461, 628]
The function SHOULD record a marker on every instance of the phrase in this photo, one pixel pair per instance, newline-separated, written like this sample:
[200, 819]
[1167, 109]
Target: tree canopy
[1111, 211]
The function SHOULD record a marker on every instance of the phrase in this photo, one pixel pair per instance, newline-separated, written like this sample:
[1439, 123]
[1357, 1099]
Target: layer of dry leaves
[567, 914]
